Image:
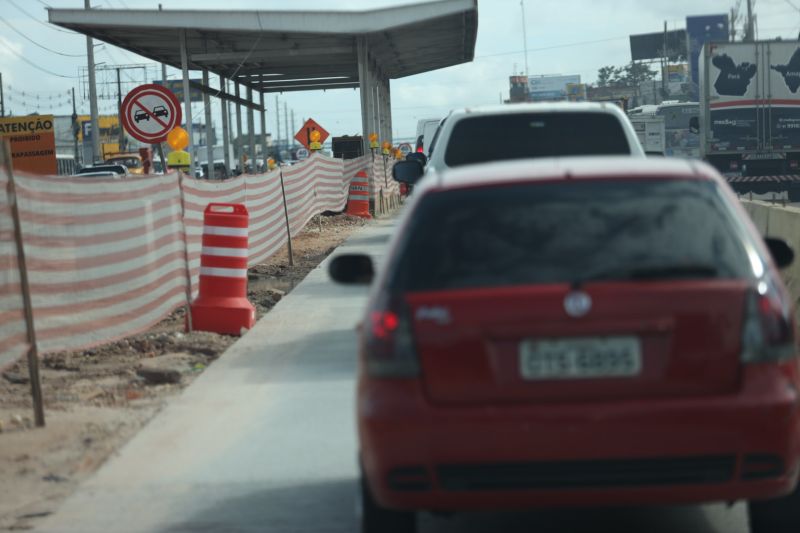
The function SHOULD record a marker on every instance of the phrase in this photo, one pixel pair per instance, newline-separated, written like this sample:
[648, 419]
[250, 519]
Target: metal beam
[206, 89]
[320, 87]
[259, 55]
[293, 83]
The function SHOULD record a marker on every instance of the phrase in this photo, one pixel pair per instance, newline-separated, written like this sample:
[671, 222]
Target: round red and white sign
[150, 112]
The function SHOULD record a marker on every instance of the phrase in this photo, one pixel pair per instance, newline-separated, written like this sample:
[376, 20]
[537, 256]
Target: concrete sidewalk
[264, 440]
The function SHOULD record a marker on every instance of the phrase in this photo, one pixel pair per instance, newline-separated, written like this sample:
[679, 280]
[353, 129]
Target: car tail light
[420, 149]
[768, 329]
[390, 350]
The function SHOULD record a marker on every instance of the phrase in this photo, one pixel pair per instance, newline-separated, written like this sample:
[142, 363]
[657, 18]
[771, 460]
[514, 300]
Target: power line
[34, 65]
[46, 25]
[15, 30]
[565, 45]
[793, 5]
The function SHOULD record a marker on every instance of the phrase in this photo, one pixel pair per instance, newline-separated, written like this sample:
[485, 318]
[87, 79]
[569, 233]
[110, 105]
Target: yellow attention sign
[33, 143]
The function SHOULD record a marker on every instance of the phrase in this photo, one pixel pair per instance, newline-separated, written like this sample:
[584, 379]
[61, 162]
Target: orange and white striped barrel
[358, 199]
[221, 305]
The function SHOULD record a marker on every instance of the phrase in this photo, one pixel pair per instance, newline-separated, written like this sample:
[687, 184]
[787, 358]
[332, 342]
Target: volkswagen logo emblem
[577, 304]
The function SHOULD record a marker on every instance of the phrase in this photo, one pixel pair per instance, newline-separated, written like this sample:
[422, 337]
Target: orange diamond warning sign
[304, 135]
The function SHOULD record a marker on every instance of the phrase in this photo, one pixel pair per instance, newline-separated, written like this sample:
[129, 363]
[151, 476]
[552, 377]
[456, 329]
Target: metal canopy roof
[277, 51]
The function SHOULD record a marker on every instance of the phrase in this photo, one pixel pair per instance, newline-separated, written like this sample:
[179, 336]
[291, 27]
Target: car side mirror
[352, 269]
[694, 125]
[408, 172]
[781, 252]
[418, 156]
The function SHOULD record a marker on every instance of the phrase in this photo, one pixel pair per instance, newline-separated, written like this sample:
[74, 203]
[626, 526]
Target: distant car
[99, 174]
[220, 170]
[160, 111]
[521, 131]
[132, 161]
[576, 332]
[140, 115]
[120, 170]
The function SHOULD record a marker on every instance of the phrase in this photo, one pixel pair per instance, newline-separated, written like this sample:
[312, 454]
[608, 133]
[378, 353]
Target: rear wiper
[674, 271]
[649, 273]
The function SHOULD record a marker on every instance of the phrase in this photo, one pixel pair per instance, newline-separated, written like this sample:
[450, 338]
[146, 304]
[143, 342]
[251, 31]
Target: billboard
[700, 30]
[652, 45]
[550, 87]
[576, 92]
[33, 143]
[176, 86]
[676, 73]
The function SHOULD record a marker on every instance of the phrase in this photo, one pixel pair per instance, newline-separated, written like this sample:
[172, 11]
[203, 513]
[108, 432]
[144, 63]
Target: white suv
[521, 131]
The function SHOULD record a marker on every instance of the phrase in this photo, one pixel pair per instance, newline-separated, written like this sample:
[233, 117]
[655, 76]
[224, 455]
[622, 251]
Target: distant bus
[66, 165]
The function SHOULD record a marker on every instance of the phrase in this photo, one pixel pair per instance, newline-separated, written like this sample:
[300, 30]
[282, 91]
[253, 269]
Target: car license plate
[586, 357]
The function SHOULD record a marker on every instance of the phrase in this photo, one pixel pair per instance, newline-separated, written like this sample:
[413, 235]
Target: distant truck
[650, 131]
[750, 114]
[670, 129]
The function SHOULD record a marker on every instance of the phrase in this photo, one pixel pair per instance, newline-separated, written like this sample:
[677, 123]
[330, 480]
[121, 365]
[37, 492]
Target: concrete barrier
[784, 222]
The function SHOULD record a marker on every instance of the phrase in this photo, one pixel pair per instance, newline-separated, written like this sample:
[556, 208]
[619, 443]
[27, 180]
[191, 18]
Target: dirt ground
[97, 399]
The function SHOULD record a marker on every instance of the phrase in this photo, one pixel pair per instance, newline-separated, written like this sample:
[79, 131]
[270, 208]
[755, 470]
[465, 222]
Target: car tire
[781, 515]
[377, 519]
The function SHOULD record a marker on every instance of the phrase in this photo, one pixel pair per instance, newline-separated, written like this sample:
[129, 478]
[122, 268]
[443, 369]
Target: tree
[606, 76]
[631, 75]
[636, 73]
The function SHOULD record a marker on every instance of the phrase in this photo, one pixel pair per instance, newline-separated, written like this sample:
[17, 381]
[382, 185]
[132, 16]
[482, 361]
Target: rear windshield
[517, 136]
[571, 232]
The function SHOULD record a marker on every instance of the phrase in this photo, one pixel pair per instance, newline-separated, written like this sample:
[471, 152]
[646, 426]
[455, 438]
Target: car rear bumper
[670, 451]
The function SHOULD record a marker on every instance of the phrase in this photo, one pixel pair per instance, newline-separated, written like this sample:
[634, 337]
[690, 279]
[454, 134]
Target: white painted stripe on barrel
[225, 231]
[223, 272]
[224, 252]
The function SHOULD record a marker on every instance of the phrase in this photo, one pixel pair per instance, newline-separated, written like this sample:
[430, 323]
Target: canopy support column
[251, 132]
[210, 170]
[264, 131]
[238, 143]
[187, 101]
[226, 140]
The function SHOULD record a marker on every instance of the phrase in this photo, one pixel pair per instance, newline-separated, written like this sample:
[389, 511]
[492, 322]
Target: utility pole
[75, 125]
[278, 123]
[163, 67]
[95, 129]
[524, 35]
[749, 32]
[3, 102]
[286, 122]
[294, 124]
[664, 67]
[122, 144]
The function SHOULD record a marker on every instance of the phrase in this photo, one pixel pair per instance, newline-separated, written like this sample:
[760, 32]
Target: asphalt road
[265, 441]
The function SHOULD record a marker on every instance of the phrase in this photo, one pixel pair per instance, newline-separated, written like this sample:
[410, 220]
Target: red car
[577, 332]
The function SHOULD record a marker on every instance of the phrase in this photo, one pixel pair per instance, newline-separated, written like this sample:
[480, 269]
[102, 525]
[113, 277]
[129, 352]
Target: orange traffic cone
[358, 200]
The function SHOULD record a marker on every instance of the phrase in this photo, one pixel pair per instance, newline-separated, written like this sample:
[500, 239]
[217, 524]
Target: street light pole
[524, 36]
[95, 129]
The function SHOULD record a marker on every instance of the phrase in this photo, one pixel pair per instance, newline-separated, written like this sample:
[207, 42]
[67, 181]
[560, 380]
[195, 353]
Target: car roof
[569, 168]
[539, 107]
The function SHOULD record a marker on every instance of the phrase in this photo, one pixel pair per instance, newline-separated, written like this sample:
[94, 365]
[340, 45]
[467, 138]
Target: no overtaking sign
[150, 112]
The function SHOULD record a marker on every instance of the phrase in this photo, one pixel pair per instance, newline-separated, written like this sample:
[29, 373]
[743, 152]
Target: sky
[40, 64]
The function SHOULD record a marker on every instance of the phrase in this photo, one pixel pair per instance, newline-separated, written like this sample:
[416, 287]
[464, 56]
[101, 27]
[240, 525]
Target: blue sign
[700, 30]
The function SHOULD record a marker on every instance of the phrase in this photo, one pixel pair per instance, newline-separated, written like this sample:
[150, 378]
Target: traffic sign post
[304, 135]
[149, 113]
